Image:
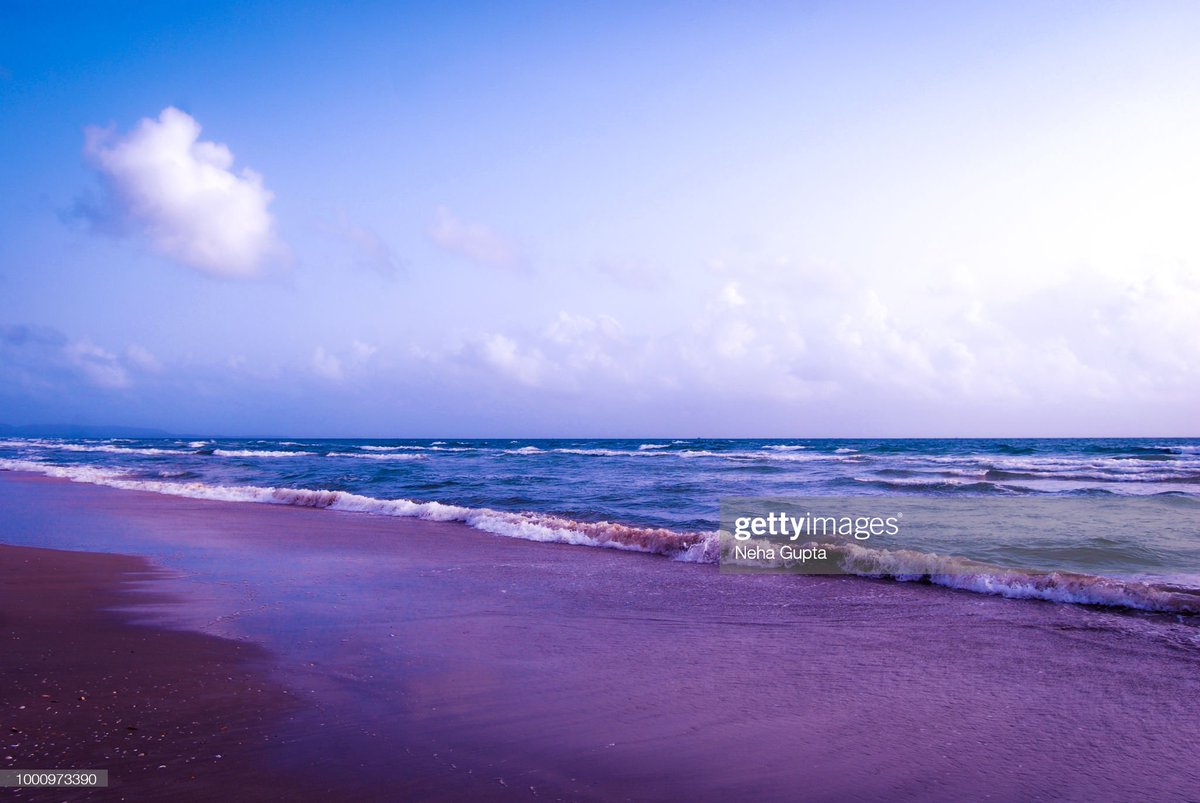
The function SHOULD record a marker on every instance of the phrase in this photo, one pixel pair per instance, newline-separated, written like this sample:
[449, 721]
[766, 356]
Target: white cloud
[361, 352]
[326, 364]
[731, 294]
[474, 241]
[569, 353]
[143, 359]
[527, 366]
[329, 365]
[953, 352]
[184, 196]
[45, 358]
[568, 328]
[101, 367]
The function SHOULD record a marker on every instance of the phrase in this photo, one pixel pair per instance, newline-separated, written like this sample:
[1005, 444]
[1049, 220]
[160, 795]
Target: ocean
[663, 495]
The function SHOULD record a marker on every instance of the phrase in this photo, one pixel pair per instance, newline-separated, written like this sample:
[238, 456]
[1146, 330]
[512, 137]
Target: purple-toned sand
[402, 659]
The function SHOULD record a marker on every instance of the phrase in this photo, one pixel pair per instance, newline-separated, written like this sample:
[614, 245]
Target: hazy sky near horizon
[601, 219]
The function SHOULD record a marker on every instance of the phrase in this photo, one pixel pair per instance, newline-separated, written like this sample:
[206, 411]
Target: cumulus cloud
[927, 352]
[566, 354]
[40, 357]
[361, 352]
[99, 365]
[142, 358]
[570, 329]
[731, 294]
[475, 241]
[331, 366]
[326, 364]
[184, 195]
[504, 354]
[1096, 334]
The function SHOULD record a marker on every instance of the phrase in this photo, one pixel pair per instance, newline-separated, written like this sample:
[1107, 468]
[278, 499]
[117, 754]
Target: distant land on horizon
[83, 431]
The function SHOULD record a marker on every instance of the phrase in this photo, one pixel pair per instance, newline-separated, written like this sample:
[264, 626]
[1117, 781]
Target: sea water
[663, 495]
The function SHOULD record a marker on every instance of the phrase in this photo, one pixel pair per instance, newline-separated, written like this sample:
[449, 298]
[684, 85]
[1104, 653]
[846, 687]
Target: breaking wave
[604, 452]
[104, 448]
[697, 547]
[546, 528]
[969, 575]
[257, 453]
[379, 455]
[931, 484]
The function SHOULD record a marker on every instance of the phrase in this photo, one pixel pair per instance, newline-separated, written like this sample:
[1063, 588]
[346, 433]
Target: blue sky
[535, 219]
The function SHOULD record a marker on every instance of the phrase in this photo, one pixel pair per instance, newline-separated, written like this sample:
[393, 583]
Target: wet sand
[430, 661]
[166, 712]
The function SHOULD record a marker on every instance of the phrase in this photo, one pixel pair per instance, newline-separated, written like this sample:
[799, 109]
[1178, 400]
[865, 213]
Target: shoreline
[454, 662]
[1130, 589]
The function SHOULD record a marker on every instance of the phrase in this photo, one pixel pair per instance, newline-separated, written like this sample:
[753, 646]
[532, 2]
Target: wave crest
[541, 527]
[695, 547]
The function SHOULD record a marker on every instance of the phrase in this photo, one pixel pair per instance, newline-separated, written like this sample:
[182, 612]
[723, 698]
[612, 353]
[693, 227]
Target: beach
[165, 711]
[600, 402]
[322, 652]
